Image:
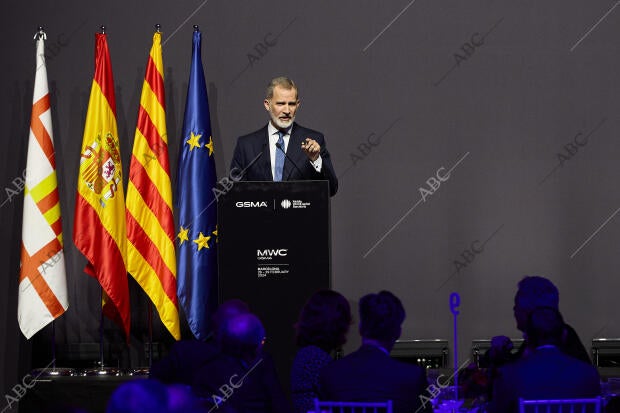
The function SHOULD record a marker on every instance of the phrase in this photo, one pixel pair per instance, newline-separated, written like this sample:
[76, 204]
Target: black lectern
[273, 253]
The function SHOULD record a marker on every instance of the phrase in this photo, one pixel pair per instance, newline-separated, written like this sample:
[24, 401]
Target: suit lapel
[264, 163]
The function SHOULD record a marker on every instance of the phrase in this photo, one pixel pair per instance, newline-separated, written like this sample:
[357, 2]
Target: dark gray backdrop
[491, 91]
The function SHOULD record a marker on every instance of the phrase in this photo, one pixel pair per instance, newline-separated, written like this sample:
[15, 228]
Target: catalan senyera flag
[197, 210]
[42, 279]
[99, 226]
[150, 224]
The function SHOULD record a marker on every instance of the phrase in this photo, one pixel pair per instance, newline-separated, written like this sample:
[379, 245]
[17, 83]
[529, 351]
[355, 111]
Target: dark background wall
[493, 91]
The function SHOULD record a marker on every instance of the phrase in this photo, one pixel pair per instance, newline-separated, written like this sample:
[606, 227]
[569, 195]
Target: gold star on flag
[215, 233]
[193, 141]
[210, 146]
[202, 241]
[183, 235]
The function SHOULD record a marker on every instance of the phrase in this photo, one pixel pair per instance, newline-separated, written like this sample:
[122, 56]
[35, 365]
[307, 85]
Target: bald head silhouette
[242, 336]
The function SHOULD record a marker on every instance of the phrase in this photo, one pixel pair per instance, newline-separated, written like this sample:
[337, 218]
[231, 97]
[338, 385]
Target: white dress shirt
[273, 139]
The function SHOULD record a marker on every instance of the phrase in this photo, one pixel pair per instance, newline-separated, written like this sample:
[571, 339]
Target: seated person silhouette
[186, 356]
[533, 292]
[544, 372]
[321, 329]
[369, 374]
[240, 378]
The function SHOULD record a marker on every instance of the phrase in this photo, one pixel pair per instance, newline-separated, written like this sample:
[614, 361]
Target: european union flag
[196, 205]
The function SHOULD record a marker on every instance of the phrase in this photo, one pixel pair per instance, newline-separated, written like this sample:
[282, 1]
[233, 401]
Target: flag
[42, 279]
[197, 210]
[150, 225]
[99, 225]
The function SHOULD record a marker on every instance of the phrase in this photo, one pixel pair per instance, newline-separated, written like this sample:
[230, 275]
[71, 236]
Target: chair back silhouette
[352, 407]
[592, 405]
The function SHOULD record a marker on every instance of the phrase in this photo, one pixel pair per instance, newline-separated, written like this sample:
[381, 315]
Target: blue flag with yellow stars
[196, 206]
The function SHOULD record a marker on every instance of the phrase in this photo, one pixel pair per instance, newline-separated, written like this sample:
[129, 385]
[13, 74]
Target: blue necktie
[279, 157]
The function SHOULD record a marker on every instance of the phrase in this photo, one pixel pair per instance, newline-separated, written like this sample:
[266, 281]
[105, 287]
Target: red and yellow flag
[99, 228]
[42, 280]
[150, 225]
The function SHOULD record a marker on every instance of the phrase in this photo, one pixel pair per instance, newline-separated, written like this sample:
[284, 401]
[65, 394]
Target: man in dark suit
[187, 356]
[546, 372]
[534, 292]
[241, 378]
[283, 150]
[369, 374]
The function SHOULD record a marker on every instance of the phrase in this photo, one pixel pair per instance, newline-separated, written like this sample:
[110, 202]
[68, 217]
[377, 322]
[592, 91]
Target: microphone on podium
[292, 161]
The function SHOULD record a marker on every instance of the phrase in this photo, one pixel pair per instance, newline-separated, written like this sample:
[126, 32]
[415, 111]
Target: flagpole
[31, 319]
[99, 231]
[53, 345]
[197, 260]
[101, 325]
[150, 304]
[101, 370]
[150, 315]
[151, 258]
[41, 35]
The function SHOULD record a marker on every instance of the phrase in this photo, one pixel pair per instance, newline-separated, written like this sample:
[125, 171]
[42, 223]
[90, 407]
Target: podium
[274, 252]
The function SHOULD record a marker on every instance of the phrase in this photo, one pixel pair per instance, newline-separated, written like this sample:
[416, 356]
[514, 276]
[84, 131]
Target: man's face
[520, 313]
[282, 107]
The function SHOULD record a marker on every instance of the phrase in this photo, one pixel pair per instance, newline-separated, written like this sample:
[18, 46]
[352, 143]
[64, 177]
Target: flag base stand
[54, 372]
[101, 371]
[51, 370]
[139, 371]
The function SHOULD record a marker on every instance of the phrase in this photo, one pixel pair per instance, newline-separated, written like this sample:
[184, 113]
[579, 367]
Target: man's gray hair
[283, 82]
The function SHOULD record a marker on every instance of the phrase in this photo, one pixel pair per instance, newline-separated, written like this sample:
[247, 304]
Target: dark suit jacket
[571, 346]
[545, 374]
[369, 374]
[297, 167]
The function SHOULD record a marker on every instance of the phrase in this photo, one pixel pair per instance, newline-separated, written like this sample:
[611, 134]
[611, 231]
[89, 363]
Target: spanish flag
[150, 225]
[42, 280]
[99, 226]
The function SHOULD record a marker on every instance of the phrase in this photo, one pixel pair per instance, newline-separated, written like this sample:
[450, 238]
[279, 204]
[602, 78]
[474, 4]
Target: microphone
[292, 161]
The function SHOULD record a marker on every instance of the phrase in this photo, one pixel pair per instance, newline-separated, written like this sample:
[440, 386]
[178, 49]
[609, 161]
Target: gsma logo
[251, 204]
[272, 253]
